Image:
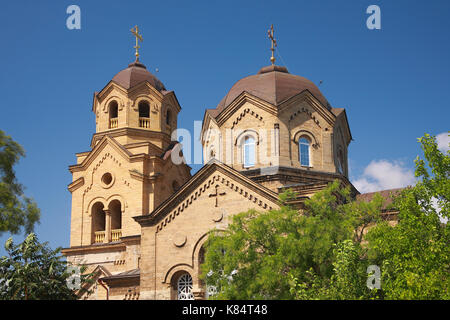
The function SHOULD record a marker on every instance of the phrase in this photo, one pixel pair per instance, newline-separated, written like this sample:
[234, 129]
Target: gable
[306, 103]
[248, 99]
[200, 189]
[179, 226]
[99, 147]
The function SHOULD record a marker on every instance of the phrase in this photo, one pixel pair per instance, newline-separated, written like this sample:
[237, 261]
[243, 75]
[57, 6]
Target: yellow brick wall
[173, 247]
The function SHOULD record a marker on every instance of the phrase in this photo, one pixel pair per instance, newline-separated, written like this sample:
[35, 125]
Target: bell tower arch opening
[113, 110]
[115, 210]
[98, 223]
[144, 114]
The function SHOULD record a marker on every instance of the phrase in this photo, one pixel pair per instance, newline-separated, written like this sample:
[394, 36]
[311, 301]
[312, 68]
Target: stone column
[107, 225]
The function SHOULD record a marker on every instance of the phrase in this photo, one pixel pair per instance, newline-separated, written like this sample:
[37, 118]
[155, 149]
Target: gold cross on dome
[217, 194]
[135, 32]
[271, 33]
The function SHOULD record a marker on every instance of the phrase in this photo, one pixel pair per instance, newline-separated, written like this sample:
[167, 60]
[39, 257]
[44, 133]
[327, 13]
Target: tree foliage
[414, 255]
[16, 210]
[324, 252]
[33, 271]
[281, 254]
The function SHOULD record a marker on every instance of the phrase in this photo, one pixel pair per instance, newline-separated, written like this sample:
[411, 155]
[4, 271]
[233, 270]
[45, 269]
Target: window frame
[189, 283]
[244, 145]
[301, 143]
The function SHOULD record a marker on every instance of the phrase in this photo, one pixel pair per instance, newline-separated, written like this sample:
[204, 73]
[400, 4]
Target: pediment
[312, 102]
[240, 100]
[145, 88]
[203, 185]
[99, 147]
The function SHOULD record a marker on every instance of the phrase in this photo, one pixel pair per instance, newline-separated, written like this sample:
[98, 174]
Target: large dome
[135, 74]
[273, 84]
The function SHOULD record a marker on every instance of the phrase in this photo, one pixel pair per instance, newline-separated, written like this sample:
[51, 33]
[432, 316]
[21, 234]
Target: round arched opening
[98, 223]
[115, 208]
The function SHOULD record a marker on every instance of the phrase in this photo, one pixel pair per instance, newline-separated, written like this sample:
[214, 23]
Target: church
[139, 219]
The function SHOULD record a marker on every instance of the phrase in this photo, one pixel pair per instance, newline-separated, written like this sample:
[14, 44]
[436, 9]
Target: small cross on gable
[217, 194]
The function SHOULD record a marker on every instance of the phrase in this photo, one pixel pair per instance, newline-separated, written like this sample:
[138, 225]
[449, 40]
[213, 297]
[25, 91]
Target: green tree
[324, 252]
[414, 255]
[16, 210]
[281, 254]
[33, 271]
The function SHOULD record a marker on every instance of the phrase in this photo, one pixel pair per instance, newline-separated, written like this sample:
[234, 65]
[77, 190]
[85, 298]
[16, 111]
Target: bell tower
[127, 171]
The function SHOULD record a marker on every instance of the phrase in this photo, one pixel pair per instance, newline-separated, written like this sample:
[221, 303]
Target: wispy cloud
[384, 174]
[443, 140]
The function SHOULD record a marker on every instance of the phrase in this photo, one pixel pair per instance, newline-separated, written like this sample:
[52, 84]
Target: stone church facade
[139, 220]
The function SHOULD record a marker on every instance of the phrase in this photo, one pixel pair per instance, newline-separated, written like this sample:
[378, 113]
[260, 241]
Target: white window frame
[244, 144]
[309, 165]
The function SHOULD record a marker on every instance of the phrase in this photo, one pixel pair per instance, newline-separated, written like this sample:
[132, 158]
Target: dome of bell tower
[135, 74]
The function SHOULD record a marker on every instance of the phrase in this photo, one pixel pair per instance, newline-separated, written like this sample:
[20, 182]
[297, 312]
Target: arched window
[304, 150]
[113, 114]
[144, 114]
[144, 109]
[184, 287]
[248, 151]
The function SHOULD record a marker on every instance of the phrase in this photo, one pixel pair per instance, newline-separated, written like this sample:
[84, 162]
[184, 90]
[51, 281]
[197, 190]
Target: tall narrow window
[303, 148]
[249, 152]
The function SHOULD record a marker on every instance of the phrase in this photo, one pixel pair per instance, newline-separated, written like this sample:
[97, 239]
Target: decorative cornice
[106, 140]
[144, 177]
[307, 112]
[95, 248]
[243, 113]
[308, 97]
[136, 132]
[226, 113]
[76, 184]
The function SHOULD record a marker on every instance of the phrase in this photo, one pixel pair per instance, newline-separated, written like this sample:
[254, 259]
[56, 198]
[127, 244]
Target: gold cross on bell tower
[271, 33]
[135, 32]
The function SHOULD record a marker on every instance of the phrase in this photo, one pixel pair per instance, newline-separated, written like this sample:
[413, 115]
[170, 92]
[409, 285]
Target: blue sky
[393, 82]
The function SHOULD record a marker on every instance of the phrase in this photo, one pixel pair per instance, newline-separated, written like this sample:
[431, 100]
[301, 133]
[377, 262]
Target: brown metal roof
[386, 194]
[135, 74]
[127, 274]
[273, 84]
